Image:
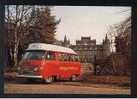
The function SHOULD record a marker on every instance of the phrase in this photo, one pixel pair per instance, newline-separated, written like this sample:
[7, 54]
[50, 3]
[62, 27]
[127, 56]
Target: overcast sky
[77, 21]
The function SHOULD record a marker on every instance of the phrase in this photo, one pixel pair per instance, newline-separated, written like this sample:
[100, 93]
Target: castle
[87, 48]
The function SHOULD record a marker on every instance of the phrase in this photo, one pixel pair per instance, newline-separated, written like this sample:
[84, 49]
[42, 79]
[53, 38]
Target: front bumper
[28, 76]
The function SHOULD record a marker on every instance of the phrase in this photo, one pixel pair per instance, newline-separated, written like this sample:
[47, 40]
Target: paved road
[64, 87]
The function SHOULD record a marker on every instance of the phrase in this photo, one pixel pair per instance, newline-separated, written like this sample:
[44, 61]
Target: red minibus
[49, 62]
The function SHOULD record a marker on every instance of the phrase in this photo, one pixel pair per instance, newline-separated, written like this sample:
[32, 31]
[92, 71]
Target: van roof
[50, 47]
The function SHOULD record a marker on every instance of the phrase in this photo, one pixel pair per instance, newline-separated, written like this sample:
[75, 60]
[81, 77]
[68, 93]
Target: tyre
[49, 79]
[73, 78]
[31, 80]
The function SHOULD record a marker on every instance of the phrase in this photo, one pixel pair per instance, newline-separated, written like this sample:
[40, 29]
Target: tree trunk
[15, 54]
[10, 56]
[15, 51]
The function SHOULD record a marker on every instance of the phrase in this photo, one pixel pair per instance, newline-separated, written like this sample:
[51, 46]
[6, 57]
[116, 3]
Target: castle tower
[65, 39]
[66, 42]
[106, 46]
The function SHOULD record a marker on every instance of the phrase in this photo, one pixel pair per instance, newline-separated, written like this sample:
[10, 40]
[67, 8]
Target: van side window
[73, 57]
[65, 57]
[61, 57]
[76, 58]
[70, 58]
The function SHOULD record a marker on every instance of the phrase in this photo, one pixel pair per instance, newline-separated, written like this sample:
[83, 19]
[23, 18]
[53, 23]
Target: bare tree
[18, 19]
[26, 24]
[122, 29]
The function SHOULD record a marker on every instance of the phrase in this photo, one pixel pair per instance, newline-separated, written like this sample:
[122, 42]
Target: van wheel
[73, 78]
[49, 79]
[30, 80]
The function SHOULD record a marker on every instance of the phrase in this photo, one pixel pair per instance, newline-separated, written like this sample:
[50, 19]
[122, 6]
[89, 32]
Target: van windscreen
[33, 55]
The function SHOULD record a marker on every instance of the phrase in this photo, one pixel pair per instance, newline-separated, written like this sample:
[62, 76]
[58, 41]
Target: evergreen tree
[43, 28]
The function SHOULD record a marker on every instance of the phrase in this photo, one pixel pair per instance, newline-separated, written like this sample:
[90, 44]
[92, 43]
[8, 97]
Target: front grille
[26, 70]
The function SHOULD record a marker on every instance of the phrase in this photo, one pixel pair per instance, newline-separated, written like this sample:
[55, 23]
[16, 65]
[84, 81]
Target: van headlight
[36, 69]
[19, 68]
